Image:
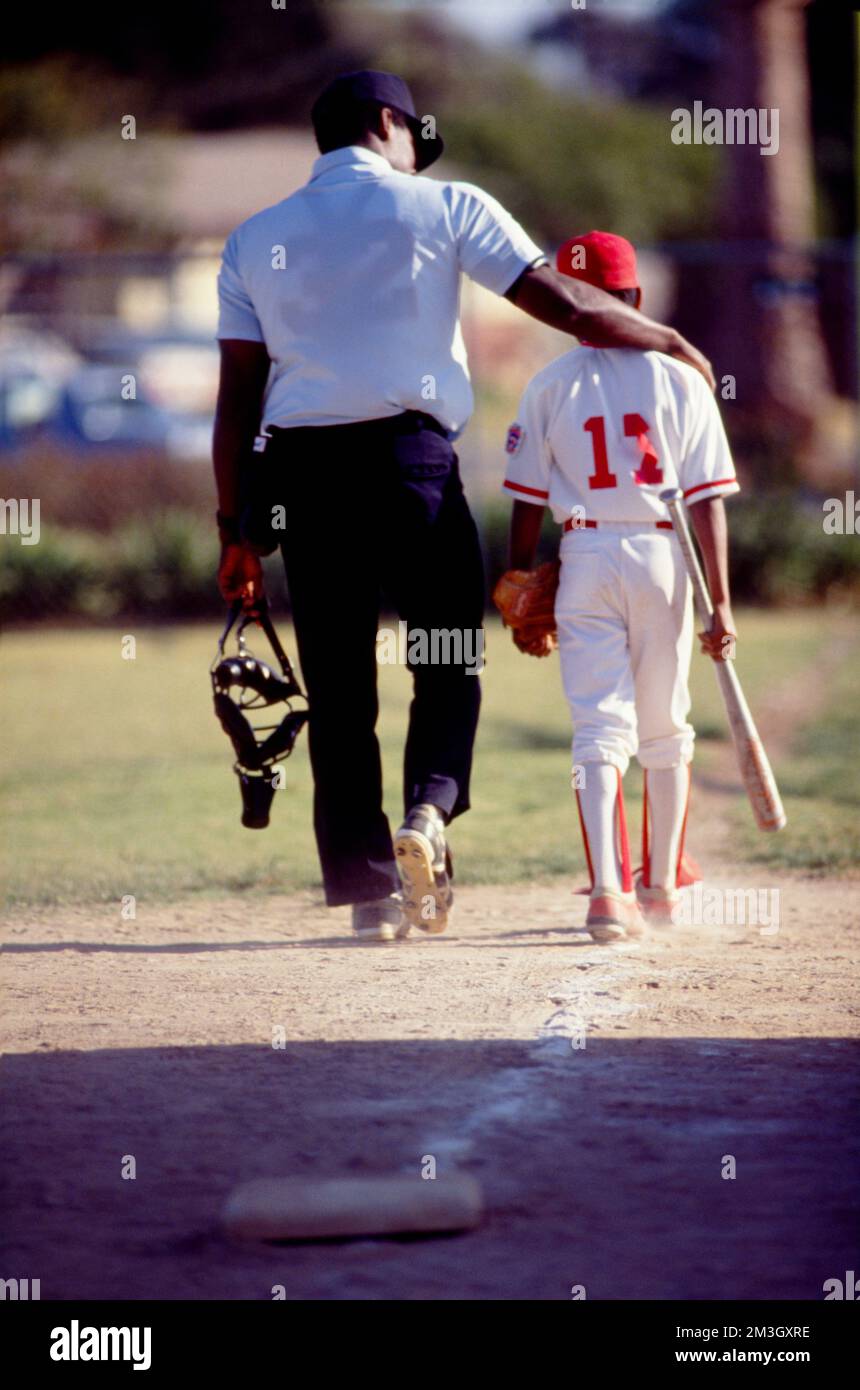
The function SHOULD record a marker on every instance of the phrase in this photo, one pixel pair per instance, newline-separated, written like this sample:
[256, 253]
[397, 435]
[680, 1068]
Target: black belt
[408, 422]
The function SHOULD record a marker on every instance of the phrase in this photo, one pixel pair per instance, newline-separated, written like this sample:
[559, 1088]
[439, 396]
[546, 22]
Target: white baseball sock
[666, 792]
[597, 809]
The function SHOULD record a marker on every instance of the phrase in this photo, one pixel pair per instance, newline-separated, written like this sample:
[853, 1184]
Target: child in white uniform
[599, 435]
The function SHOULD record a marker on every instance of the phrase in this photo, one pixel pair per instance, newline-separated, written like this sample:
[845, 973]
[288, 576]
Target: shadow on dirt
[601, 1167]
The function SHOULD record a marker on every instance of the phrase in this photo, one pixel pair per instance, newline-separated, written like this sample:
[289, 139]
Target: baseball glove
[526, 601]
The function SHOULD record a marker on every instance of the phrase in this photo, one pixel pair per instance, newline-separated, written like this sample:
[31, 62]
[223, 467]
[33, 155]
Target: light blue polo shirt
[353, 284]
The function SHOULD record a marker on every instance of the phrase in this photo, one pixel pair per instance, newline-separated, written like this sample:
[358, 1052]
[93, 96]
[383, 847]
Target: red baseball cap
[605, 260]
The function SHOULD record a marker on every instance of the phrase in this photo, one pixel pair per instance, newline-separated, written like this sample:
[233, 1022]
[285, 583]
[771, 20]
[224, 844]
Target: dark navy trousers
[374, 513]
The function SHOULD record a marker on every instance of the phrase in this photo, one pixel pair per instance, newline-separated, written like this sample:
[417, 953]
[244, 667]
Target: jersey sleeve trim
[725, 485]
[529, 491]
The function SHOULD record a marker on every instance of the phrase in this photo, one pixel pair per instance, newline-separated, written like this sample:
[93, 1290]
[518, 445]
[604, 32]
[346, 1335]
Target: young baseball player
[600, 434]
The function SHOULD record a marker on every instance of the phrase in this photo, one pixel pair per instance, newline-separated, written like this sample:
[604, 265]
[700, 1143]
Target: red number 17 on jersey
[635, 428]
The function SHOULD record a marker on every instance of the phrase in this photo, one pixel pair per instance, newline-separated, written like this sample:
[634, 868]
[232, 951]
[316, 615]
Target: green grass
[820, 787]
[118, 779]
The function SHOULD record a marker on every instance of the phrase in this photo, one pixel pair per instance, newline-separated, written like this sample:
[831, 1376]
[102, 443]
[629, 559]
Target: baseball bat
[754, 765]
[371, 1205]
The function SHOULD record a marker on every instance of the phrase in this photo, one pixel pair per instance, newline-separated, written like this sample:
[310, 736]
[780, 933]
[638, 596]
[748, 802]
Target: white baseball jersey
[602, 431]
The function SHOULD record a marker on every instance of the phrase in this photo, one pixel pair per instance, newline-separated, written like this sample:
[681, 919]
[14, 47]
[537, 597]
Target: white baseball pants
[625, 633]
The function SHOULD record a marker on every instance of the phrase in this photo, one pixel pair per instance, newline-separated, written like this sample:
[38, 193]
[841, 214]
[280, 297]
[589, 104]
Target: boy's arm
[709, 524]
[526, 522]
[525, 596]
[526, 600]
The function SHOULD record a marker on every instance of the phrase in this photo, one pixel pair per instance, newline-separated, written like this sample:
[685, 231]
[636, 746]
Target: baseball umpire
[343, 384]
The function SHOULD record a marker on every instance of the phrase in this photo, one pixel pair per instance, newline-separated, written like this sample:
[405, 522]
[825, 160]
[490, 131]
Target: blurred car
[96, 408]
[120, 389]
[34, 368]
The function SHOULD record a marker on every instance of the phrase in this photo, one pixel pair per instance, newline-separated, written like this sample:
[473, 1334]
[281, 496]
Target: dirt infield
[601, 1164]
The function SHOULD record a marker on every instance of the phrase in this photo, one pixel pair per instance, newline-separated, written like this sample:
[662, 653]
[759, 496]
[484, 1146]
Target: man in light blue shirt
[353, 283]
[343, 382]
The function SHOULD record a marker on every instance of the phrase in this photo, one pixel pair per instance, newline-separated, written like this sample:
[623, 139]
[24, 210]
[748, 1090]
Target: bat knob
[671, 494]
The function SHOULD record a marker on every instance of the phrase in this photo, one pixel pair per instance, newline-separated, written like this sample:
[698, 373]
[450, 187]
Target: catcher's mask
[241, 683]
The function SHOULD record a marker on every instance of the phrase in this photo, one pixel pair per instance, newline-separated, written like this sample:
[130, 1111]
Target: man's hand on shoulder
[589, 313]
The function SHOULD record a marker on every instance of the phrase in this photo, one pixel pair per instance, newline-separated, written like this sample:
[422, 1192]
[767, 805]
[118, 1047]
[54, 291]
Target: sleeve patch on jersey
[516, 435]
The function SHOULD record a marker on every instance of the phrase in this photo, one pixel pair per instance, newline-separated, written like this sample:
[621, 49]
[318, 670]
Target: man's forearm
[233, 431]
[244, 371]
[574, 307]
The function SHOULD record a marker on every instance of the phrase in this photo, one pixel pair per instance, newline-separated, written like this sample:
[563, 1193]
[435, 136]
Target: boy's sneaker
[658, 904]
[424, 865]
[379, 920]
[613, 916]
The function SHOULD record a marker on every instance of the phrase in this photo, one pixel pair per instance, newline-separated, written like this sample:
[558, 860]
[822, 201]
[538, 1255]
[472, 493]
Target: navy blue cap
[388, 90]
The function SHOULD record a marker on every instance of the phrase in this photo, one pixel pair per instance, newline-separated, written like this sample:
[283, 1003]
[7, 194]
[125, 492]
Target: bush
[58, 577]
[163, 566]
[780, 553]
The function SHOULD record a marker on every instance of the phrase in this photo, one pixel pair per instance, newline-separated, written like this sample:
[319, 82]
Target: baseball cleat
[613, 916]
[658, 904]
[380, 920]
[424, 865]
